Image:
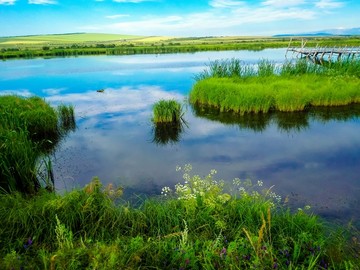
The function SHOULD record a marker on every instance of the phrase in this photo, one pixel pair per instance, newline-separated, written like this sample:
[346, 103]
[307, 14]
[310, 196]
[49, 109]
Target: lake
[312, 158]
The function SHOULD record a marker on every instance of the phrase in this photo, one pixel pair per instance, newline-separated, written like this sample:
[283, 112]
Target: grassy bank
[106, 44]
[195, 225]
[29, 129]
[231, 86]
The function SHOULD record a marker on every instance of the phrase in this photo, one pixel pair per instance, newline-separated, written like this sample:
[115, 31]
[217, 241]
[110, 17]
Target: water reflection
[168, 133]
[285, 122]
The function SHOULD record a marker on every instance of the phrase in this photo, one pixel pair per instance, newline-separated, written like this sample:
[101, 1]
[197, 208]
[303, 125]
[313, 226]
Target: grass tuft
[167, 111]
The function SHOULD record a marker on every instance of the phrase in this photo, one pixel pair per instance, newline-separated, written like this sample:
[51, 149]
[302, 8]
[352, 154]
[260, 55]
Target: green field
[115, 44]
[66, 38]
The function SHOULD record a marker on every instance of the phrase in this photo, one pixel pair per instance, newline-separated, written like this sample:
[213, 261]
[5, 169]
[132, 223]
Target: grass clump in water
[168, 121]
[292, 87]
[195, 225]
[167, 111]
[67, 117]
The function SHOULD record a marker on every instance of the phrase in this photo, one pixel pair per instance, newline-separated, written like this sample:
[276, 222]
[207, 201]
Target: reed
[167, 111]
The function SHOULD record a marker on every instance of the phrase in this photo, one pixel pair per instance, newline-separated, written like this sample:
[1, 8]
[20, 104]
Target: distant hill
[328, 32]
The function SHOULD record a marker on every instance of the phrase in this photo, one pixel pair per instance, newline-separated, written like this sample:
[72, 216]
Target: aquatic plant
[167, 111]
[66, 117]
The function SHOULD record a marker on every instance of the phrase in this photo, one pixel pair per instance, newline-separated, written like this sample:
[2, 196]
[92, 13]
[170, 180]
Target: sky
[183, 18]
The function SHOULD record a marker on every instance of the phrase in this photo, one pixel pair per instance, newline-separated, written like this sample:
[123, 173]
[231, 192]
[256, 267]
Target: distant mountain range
[328, 32]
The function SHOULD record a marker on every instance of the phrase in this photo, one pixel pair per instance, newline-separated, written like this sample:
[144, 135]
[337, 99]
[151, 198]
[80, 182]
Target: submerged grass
[196, 225]
[265, 87]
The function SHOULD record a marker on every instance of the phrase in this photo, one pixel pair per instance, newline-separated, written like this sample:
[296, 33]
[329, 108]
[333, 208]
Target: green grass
[231, 86]
[167, 111]
[67, 117]
[29, 129]
[195, 225]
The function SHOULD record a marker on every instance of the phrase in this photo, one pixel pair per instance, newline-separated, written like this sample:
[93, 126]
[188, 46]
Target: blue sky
[176, 18]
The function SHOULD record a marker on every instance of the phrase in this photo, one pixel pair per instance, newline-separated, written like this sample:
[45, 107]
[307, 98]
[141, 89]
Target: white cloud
[225, 17]
[284, 3]
[7, 2]
[225, 3]
[42, 2]
[53, 91]
[124, 99]
[17, 92]
[117, 16]
[327, 4]
[213, 22]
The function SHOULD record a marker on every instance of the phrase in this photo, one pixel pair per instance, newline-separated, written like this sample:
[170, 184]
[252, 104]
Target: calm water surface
[313, 158]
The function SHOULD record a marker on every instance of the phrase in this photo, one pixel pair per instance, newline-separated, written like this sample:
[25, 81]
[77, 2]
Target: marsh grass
[195, 225]
[292, 87]
[167, 111]
[29, 129]
[66, 117]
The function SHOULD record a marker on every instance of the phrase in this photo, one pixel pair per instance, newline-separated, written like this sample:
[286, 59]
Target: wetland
[312, 157]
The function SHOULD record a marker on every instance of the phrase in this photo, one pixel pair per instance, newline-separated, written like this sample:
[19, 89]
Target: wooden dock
[321, 54]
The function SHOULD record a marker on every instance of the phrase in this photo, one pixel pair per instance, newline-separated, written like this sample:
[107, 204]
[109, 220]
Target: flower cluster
[166, 191]
[274, 196]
